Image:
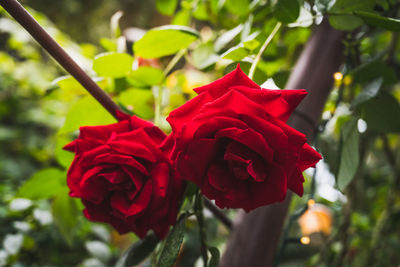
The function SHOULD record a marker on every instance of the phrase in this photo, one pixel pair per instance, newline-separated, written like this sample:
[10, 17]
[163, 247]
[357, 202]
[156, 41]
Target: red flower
[232, 141]
[123, 178]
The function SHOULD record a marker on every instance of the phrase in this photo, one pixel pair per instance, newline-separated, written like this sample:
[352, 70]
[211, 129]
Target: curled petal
[127, 207]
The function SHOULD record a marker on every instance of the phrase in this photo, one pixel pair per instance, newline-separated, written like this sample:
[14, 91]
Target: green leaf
[251, 44]
[260, 76]
[370, 91]
[373, 19]
[342, 17]
[182, 18]
[236, 53]
[382, 113]
[172, 244]
[70, 84]
[65, 213]
[227, 37]
[166, 7]
[112, 64]
[204, 56]
[200, 12]
[374, 70]
[164, 41]
[63, 157]
[86, 112]
[146, 76]
[345, 22]
[280, 78]
[287, 11]
[138, 251]
[108, 44]
[349, 154]
[215, 255]
[43, 184]
[139, 101]
[238, 7]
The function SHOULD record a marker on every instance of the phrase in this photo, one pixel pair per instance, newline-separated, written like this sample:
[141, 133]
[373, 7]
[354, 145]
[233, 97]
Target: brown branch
[20, 14]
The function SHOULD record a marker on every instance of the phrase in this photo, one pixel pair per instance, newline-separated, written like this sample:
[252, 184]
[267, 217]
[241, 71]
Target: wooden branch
[20, 14]
[255, 236]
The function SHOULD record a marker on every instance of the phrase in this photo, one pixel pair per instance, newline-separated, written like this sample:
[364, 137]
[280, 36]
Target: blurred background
[350, 214]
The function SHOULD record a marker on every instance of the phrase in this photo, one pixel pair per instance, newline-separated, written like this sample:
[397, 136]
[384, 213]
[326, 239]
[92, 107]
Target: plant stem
[22, 16]
[173, 62]
[218, 214]
[198, 205]
[157, 91]
[262, 49]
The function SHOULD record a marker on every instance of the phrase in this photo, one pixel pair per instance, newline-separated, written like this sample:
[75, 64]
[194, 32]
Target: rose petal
[219, 177]
[308, 157]
[271, 100]
[128, 207]
[203, 152]
[234, 102]
[103, 132]
[143, 147]
[185, 113]
[101, 214]
[209, 128]
[295, 182]
[222, 85]
[293, 97]
[136, 177]
[120, 160]
[115, 177]
[93, 188]
[161, 176]
[273, 189]
[250, 138]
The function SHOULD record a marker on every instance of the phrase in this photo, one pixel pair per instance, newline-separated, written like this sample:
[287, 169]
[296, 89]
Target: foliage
[359, 140]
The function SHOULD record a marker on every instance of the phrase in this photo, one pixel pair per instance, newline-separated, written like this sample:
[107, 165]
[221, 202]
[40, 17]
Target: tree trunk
[256, 235]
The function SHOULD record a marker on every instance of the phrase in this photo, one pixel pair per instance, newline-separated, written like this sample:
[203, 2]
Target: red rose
[123, 178]
[232, 141]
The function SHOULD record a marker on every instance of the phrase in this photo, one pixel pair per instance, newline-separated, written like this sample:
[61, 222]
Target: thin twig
[173, 62]
[219, 214]
[21, 15]
[262, 49]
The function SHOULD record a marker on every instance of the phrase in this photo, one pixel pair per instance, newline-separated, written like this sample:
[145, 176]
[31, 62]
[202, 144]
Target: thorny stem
[262, 49]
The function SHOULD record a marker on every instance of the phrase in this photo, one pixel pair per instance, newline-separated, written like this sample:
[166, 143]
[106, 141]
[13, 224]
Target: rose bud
[123, 178]
[232, 141]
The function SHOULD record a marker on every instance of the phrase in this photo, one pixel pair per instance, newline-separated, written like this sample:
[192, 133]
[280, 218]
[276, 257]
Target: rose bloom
[232, 141]
[123, 178]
